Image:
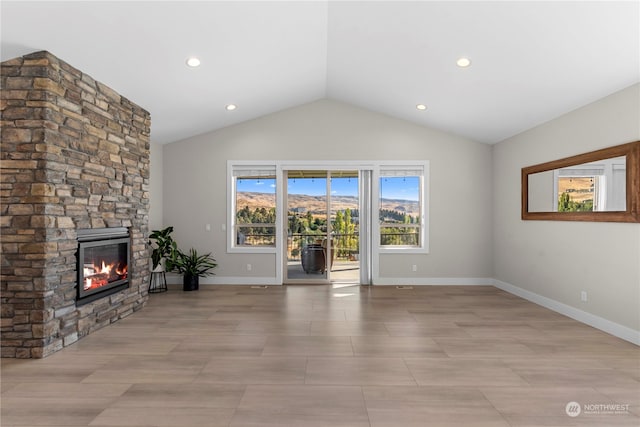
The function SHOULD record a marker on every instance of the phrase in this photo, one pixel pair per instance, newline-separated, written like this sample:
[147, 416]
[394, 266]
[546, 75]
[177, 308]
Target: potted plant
[162, 245]
[192, 266]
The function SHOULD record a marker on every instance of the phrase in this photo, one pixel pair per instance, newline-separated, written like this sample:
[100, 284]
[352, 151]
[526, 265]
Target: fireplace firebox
[103, 262]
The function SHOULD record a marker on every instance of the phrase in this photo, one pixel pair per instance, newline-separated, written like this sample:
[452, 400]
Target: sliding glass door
[328, 221]
[345, 227]
[322, 226]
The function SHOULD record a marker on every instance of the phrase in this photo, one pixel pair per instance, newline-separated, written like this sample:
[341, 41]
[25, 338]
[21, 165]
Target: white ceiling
[531, 61]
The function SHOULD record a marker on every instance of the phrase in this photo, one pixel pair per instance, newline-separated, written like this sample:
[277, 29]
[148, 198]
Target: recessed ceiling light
[421, 107]
[231, 107]
[193, 62]
[463, 62]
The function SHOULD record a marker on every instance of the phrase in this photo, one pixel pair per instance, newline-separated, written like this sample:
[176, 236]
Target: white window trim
[374, 166]
[424, 206]
[238, 165]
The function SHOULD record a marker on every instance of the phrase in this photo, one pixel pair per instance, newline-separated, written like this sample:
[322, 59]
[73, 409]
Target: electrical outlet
[248, 267]
[414, 268]
[583, 296]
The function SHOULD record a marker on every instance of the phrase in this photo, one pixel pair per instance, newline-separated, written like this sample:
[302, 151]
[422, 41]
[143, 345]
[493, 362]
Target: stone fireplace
[75, 161]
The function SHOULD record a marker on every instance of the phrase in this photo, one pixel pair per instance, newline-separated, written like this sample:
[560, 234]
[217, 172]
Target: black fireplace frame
[96, 237]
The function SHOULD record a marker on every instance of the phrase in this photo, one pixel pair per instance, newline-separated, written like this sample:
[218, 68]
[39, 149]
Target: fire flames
[101, 274]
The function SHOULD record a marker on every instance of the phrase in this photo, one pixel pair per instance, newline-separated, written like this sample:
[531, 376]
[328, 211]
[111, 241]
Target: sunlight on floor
[339, 285]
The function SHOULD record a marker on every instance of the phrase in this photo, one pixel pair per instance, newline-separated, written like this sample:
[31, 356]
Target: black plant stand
[158, 282]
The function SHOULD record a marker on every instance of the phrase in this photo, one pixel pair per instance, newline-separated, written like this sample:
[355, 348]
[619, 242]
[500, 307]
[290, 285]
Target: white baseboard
[434, 281]
[173, 279]
[597, 322]
[220, 280]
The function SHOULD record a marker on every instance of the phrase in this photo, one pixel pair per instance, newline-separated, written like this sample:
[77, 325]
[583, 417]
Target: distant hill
[317, 204]
[579, 188]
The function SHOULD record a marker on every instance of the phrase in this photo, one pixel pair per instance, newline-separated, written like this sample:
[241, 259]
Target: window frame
[234, 167]
[422, 171]
[374, 166]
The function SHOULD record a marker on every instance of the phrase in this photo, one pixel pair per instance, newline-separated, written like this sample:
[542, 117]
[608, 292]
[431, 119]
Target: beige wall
[461, 211]
[475, 228]
[556, 259]
[155, 198]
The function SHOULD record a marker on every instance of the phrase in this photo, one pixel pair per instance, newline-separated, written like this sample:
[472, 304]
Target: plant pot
[313, 259]
[190, 283]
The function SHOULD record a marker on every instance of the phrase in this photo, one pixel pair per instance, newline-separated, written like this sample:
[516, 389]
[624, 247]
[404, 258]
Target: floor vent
[404, 287]
[259, 287]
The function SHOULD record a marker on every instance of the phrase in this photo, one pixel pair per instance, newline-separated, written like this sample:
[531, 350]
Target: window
[253, 223]
[401, 207]
[578, 194]
[397, 190]
[591, 187]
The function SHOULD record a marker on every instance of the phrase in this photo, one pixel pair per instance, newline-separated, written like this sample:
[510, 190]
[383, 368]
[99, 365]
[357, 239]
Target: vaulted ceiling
[530, 61]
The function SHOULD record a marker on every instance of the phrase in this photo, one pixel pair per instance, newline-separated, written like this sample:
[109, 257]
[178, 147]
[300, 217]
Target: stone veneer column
[75, 154]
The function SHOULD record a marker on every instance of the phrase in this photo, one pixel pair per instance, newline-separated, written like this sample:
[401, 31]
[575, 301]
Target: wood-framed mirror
[602, 185]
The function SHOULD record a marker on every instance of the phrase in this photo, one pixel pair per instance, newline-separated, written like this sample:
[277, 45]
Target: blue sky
[399, 187]
[405, 188]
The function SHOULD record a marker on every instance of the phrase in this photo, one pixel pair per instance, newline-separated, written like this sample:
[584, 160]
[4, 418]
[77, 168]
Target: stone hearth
[75, 155]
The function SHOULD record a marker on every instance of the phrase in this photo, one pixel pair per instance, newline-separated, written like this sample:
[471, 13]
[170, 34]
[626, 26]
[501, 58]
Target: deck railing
[343, 245]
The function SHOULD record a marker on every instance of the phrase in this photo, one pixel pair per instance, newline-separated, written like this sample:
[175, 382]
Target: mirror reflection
[598, 186]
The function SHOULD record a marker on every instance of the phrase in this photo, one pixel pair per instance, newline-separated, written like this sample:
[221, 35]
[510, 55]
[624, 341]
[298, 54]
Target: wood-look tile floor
[325, 356]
